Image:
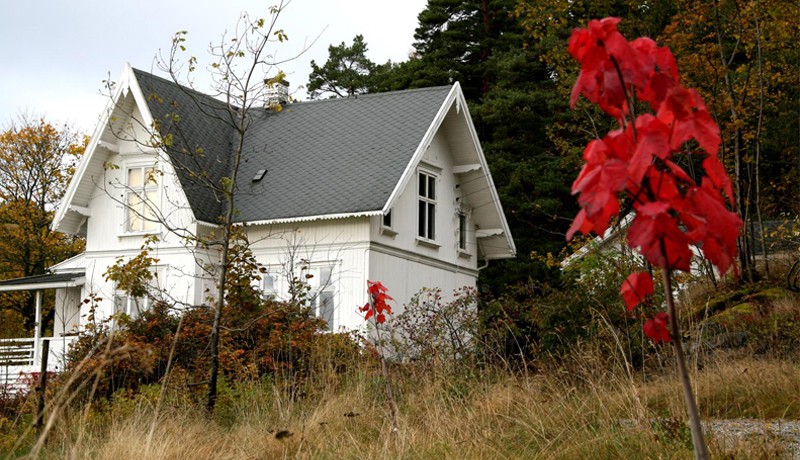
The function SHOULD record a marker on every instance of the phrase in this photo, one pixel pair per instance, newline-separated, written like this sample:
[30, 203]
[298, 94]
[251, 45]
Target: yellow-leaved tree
[37, 160]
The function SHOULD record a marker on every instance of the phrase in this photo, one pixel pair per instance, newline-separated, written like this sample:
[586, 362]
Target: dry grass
[478, 415]
[591, 406]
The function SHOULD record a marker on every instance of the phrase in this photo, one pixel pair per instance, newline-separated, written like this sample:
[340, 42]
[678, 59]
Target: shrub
[434, 332]
[266, 338]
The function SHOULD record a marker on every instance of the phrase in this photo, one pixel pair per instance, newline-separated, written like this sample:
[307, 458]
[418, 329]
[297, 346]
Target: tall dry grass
[590, 404]
[469, 414]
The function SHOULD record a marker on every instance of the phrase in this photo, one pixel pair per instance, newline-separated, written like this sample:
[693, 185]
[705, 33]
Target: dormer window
[141, 198]
[426, 216]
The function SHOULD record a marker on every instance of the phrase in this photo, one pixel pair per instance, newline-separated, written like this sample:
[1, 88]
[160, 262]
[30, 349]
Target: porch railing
[17, 352]
[19, 357]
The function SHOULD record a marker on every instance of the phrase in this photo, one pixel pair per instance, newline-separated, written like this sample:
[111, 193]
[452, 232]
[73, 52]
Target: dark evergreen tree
[347, 71]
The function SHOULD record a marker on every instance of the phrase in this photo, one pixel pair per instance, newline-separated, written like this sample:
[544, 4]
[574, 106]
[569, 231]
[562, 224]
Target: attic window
[260, 175]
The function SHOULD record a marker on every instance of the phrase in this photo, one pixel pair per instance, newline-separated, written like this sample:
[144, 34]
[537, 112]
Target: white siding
[404, 263]
[403, 277]
[177, 269]
[338, 243]
[67, 311]
[106, 236]
[437, 160]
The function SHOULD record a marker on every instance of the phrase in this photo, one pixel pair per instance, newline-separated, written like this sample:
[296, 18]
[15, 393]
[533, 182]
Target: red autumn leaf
[679, 173]
[653, 141]
[712, 225]
[375, 287]
[660, 240]
[580, 223]
[656, 328]
[661, 72]
[715, 171]
[599, 79]
[635, 288]
[684, 110]
[377, 305]
[661, 185]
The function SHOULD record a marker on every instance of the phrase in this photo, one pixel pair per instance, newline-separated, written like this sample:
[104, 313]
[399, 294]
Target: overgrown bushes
[258, 339]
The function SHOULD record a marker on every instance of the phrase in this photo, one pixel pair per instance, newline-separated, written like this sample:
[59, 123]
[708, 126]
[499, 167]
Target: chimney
[277, 94]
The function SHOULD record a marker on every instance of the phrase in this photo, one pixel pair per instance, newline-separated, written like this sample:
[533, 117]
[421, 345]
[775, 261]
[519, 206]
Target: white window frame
[135, 306]
[320, 288]
[387, 228]
[269, 291]
[426, 205]
[386, 221]
[142, 215]
[280, 288]
[131, 306]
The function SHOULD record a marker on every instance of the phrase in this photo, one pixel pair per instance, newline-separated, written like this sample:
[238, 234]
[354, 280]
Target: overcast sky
[56, 53]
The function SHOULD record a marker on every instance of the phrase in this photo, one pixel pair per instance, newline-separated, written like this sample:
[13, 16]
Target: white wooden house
[391, 187]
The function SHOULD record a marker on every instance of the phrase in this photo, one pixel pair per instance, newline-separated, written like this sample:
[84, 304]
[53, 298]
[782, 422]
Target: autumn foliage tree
[741, 56]
[36, 162]
[638, 163]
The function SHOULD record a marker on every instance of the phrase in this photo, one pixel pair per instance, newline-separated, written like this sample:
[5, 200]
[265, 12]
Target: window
[386, 224]
[131, 306]
[135, 306]
[140, 197]
[462, 231]
[426, 222]
[268, 286]
[323, 293]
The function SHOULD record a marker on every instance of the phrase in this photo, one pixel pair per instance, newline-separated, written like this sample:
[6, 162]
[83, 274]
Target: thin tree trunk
[741, 207]
[226, 243]
[390, 397]
[487, 51]
[698, 440]
[386, 378]
[764, 250]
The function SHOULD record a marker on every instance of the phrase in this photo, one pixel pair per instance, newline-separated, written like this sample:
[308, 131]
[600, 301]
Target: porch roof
[48, 281]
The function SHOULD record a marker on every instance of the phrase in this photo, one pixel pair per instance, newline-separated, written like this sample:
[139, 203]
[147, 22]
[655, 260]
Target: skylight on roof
[260, 175]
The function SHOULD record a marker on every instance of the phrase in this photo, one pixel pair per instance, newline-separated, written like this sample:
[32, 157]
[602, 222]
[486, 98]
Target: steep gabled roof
[201, 138]
[332, 157]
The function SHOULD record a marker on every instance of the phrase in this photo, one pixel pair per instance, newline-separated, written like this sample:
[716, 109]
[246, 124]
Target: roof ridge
[359, 96]
[375, 95]
[188, 89]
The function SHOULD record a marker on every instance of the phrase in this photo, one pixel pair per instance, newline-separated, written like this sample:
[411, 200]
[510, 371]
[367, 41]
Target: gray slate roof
[323, 157]
[193, 130]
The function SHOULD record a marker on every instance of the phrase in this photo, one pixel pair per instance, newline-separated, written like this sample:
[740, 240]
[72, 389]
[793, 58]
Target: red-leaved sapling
[638, 164]
[376, 309]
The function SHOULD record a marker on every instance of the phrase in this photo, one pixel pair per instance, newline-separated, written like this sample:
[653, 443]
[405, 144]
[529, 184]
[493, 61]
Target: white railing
[19, 357]
[16, 358]
[17, 352]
